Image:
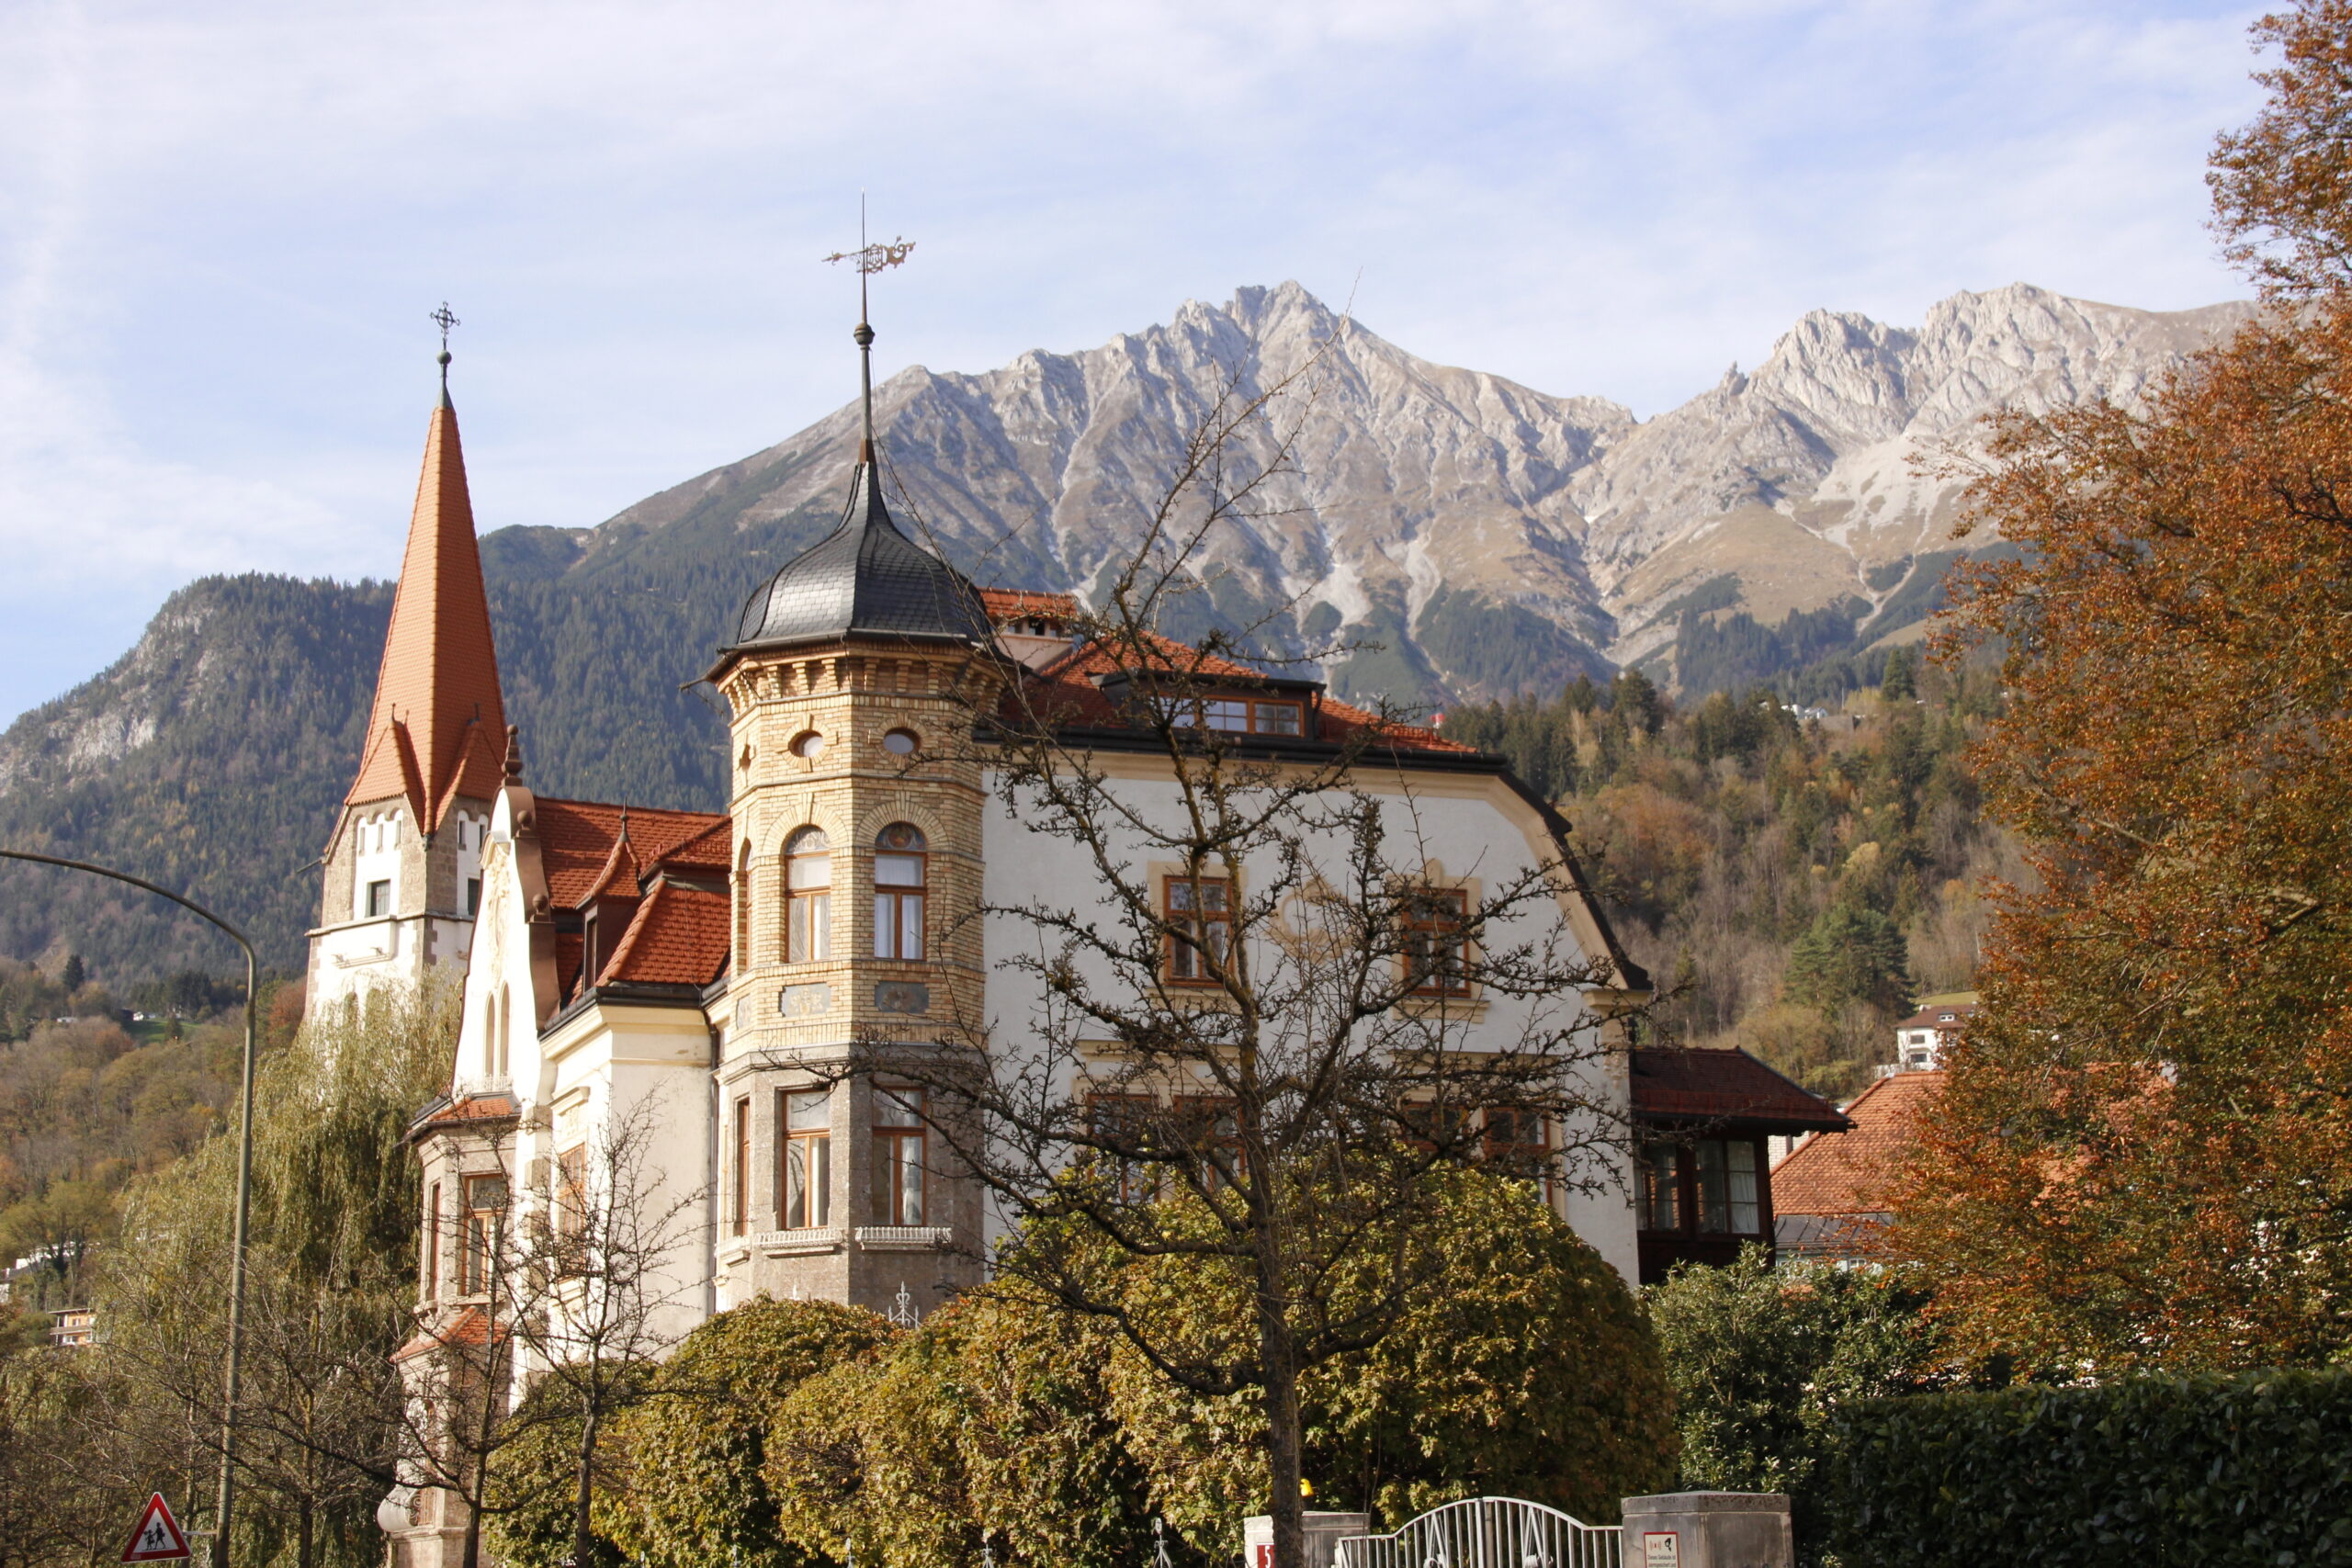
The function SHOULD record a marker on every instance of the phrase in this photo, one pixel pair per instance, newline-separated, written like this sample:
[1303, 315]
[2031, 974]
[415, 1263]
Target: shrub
[2252, 1470]
[1761, 1358]
[699, 1444]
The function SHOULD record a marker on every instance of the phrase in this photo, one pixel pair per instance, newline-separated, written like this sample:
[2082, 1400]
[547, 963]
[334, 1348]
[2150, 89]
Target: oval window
[809, 744]
[899, 743]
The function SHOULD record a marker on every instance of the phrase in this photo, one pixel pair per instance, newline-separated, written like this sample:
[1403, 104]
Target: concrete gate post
[1709, 1529]
[1321, 1531]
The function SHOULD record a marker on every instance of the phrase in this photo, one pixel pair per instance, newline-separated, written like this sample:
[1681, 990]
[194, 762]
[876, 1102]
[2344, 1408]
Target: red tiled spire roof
[438, 729]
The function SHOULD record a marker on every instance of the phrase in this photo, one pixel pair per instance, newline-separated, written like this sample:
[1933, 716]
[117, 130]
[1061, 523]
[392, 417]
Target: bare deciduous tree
[1260, 1070]
[575, 1295]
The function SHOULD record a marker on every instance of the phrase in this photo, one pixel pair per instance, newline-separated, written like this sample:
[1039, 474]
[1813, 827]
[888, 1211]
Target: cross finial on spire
[870, 259]
[444, 319]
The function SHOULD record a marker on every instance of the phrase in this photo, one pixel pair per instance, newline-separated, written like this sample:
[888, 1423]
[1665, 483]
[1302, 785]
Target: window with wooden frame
[898, 1157]
[1519, 1143]
[1660, 1164]
[900, 868]
[1211, 1131]
[1702, 1187]
[1127, 1122]
[1253, 716]
[485, 1220]
[1435, 1127]
[1199, 912]
[1437, 951]
[805, 1181]
[1731, 1199]
[743, 1173]
[807, 897]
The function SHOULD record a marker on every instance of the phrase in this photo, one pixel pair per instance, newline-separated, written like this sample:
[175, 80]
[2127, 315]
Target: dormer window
[1252, 716]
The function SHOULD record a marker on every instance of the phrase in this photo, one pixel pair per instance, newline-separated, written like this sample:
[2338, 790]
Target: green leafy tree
[335, 1216]
[1761, 1360]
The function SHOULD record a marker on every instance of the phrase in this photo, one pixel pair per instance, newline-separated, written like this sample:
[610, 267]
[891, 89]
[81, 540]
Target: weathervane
[444, 319]
[870, 259]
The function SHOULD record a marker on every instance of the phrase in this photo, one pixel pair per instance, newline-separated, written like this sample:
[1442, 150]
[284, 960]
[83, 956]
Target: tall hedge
[2154, 1472]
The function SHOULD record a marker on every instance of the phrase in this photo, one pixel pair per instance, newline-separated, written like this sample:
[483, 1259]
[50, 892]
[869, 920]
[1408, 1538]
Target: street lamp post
[245, 1187]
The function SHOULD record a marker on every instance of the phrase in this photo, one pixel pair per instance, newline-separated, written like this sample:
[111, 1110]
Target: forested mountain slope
[1791, 881]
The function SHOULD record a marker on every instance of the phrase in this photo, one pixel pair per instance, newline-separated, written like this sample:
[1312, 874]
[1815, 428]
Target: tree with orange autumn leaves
[2142, 1156]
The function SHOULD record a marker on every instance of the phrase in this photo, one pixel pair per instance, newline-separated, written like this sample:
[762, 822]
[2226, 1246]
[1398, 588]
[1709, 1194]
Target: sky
[222, 225]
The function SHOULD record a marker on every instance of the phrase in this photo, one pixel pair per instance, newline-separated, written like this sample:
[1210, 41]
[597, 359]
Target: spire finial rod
[444, 319]
[870, 259]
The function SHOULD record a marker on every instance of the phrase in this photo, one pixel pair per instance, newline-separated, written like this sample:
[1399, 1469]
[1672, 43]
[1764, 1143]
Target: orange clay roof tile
[577, 839]
[439, 676]
[1010, 603]
[469, 1327]
[678, 938]
[473, 1108]
[1844, 1173]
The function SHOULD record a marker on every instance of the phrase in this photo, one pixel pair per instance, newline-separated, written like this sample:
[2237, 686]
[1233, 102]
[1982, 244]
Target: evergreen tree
[73, 977]
[1899, 684]
[1849, 954]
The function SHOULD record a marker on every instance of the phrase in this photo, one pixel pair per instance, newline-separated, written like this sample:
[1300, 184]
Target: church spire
[438, 729]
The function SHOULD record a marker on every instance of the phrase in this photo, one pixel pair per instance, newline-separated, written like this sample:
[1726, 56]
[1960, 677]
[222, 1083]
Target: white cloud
[220, 226]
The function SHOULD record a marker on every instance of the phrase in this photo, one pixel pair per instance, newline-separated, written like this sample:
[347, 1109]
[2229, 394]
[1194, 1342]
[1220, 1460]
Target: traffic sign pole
[245, 1203]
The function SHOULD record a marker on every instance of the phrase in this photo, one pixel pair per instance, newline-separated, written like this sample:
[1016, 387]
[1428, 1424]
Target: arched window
[490, 1035]
[898, 891]
[809, 898]
[743, 905]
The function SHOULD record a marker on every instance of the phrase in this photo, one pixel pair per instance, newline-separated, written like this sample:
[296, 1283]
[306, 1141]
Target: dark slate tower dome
[864, 578]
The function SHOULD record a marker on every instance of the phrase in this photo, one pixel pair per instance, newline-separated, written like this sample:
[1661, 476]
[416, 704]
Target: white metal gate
[1487, 1532]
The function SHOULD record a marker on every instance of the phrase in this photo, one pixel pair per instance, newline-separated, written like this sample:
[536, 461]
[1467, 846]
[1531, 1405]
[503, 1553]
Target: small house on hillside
[1705, 1183]
[1921, 1040]
[1831, 1190]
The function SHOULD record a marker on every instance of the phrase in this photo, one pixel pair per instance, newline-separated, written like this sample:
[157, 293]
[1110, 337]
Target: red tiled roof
[1004, 605]
[1842, 1175]
[1932, 1018]
[473, 1108]
[1675, 1084]
[470, 1327]
[577, 840]
[679, 938]
[438, 729]
[1065, 692]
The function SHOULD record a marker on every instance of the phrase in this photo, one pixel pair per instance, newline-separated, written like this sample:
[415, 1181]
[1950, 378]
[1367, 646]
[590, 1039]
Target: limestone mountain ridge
[1489, 537]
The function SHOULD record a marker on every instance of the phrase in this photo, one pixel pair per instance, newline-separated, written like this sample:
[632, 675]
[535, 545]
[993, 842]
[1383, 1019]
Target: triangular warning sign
[158, 1537]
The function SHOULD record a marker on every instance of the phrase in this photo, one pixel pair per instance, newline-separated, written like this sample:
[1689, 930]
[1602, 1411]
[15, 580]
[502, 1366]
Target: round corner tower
[852, 682]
